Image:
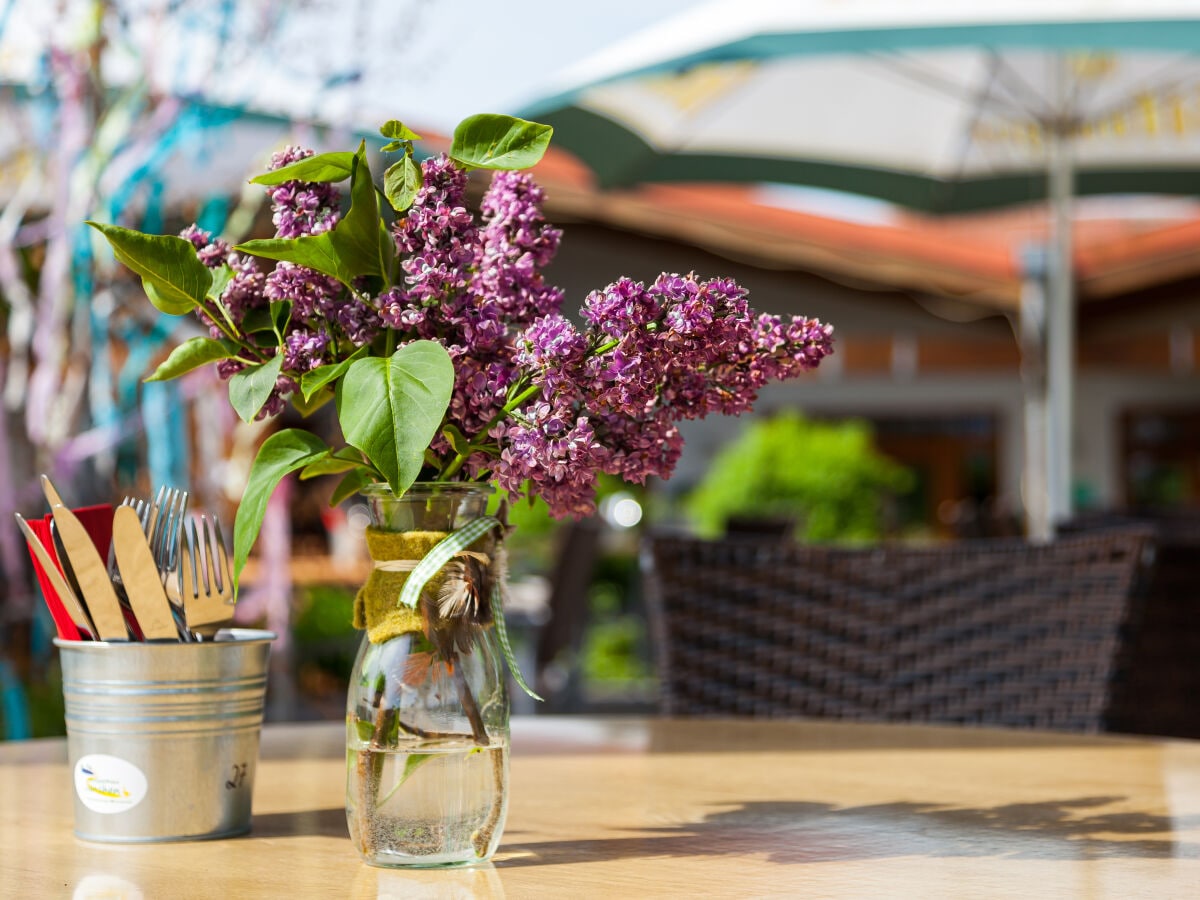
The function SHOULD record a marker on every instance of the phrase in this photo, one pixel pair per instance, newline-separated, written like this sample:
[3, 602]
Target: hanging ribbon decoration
[432, 562]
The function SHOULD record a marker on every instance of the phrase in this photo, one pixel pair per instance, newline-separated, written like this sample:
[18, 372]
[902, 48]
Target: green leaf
[489, 141]
[365, 729]
[355, 481]
[315, 379]
[397, 131]
[350, 250]
[328, 465]
[281, 315]
[307, 406]
[175, 280]
[412, 762]
[391, 409]
[192, 354]
[281, 453]
[325, 167]
[220, 280]
[401, 183]
[257, 320]
[457, 439]
[250, 388]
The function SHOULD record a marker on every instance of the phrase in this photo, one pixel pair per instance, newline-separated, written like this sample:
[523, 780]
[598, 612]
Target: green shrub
[826, 476]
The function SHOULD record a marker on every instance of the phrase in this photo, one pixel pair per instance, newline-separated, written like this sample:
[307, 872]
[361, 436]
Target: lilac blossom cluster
[610, 396]
[473, 286]
[545, 406]
[325, 317]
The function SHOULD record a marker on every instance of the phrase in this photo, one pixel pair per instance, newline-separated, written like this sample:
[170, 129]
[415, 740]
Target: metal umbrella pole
[1060, 315]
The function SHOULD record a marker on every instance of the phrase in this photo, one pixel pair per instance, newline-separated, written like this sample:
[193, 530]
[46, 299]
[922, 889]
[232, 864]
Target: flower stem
[483, 436]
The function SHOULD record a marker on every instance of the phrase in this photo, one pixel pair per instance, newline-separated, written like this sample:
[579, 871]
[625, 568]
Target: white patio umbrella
[939, 106]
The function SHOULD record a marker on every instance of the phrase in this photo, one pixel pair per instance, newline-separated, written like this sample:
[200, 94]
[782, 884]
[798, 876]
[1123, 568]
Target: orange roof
[972, 257]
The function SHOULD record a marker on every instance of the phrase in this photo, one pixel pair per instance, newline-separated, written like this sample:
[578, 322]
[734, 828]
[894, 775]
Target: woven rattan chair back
[997, 632]
[1156, 689]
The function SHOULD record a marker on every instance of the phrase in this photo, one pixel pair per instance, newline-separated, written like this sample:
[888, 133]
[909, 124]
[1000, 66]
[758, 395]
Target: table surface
[658, 808]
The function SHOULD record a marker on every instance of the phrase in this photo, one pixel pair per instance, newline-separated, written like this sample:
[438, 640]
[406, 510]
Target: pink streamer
[54, 290]
[20, 601]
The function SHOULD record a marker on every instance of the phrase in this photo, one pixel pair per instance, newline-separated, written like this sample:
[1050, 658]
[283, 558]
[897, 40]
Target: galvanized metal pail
[163, 738]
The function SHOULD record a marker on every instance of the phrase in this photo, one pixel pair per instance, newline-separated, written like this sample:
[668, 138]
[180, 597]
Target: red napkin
[62, 619]
[98, 522]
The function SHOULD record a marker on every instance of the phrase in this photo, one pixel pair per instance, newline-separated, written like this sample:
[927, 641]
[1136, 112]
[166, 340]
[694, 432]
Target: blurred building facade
[928, 322]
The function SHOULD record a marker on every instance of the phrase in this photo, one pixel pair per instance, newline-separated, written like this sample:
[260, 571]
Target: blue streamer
[214, 214]
[8, 8]
[166, 433]
[13, 704]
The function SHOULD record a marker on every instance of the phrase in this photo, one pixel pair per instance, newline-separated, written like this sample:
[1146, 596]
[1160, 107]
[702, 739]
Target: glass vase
[427, 717]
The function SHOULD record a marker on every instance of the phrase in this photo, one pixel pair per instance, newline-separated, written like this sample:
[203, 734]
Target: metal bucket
[163, 738]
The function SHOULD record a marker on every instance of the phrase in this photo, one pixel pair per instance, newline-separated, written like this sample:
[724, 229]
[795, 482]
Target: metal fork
[205, 583]
[162, 537]
[161, 522]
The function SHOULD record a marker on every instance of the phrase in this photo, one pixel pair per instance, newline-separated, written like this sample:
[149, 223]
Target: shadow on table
[309, 822]
[798, 832]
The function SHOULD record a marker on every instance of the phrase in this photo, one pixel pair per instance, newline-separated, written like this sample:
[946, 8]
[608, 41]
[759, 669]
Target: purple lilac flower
[246, 289]
[557, 453]
[210, 252]
[480, 391]
[642, 448]
[551, 349]
[312, 295]
[359, 321]
[516, 243]
[300, 207]
[227, 368]
[437, 238]
[285, 386]
[304, 350]
[680, 348]
[623, 306]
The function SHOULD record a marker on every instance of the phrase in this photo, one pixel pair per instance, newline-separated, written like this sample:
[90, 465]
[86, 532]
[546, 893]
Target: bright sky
[429, 62]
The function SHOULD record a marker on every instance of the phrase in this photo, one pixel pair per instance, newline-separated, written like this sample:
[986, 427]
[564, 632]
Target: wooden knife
[139, 574]
[92, 575]
[66, 596]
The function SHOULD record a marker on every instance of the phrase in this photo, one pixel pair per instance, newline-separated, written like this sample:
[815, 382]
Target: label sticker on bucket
[108, 784]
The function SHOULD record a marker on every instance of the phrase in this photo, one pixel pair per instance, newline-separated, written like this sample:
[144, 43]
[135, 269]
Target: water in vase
[426, 804]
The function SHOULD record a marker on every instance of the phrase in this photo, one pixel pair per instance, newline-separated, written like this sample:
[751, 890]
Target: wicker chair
[1156, 689]
[996, 632]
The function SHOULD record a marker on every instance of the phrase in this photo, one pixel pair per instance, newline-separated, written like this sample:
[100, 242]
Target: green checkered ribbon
[444, 551]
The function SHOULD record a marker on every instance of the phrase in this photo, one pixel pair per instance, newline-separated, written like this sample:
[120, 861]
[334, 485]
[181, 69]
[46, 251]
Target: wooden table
[643, 808]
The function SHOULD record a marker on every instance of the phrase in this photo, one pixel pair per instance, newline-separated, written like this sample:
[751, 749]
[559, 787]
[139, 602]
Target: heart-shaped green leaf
[250, 388]
[401, 182]
[192, 354]
[175, 280]
[325, 167]
[390, 409]
[281, 453]
[350, 250]
[490, 141]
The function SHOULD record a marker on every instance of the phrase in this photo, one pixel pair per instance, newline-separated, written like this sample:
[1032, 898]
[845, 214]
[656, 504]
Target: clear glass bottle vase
[427, 714]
